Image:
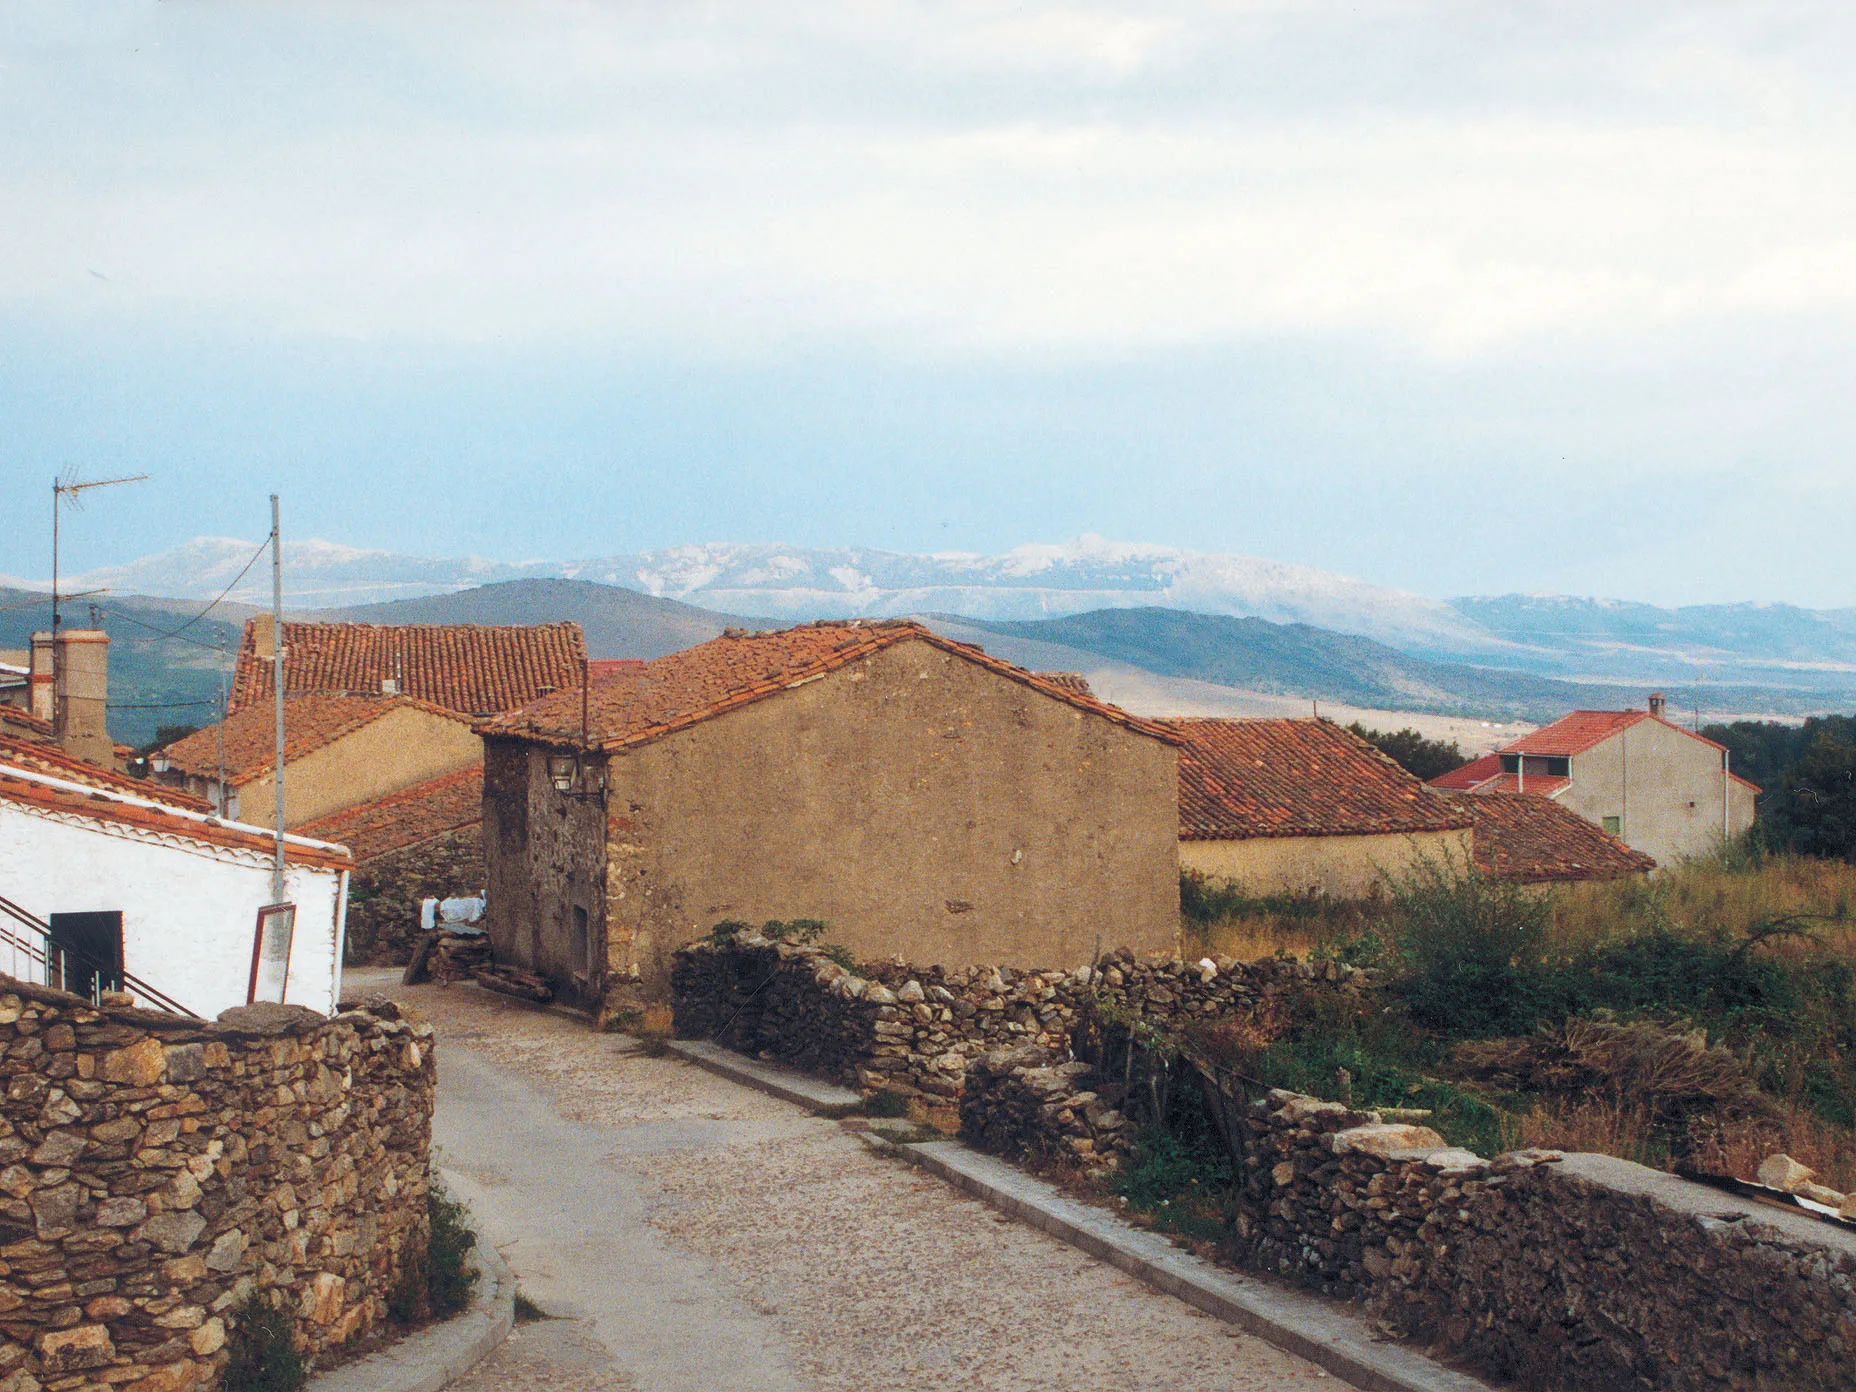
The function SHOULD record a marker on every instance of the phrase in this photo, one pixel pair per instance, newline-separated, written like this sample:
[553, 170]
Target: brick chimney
[39, 682]
[1657, 704]
[81, 694]
[264, 642]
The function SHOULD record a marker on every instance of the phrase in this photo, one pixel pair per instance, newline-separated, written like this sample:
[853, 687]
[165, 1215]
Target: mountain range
[1778, 646]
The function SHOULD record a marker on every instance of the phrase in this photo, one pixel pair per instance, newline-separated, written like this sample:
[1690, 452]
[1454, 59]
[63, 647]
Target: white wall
[188, 909]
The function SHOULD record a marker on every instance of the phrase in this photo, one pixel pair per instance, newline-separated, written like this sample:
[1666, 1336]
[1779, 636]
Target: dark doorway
[85, 953]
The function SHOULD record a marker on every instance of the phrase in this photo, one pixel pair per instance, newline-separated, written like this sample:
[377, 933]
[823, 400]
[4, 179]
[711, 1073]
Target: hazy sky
[1457, 297]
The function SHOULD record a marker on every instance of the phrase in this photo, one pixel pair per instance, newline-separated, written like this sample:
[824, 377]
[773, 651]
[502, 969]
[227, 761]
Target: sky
[1460, 298]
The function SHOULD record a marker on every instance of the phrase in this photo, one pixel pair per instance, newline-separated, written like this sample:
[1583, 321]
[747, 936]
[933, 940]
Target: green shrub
[1165, 1166]
[436, 1283]
[263, 1352]
[1471, 949]
[728, 930]
[798, 930]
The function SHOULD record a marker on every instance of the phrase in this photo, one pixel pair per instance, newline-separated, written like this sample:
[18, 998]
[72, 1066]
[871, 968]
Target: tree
[1815, 808]
[1411, 751]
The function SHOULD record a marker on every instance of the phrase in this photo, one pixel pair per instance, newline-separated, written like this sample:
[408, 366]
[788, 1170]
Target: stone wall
[1555, 1271]
[158, 1172]
[384, 893]
[916, 1030]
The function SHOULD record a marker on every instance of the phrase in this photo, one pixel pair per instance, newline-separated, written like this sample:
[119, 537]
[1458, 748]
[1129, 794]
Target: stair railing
[52, 956]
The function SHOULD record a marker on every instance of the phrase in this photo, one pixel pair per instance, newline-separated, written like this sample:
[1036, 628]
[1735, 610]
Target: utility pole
[277, 689]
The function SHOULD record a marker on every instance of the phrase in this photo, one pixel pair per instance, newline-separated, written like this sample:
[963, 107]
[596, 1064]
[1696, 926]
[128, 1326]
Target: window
[1511, 763]
[1559, 768]
[1614, 826]
[84, 953]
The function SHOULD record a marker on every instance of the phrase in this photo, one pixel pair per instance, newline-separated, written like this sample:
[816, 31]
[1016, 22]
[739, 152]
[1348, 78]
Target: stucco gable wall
[403, 747]
[1346, 867]
[1666, 788]
[915, 802]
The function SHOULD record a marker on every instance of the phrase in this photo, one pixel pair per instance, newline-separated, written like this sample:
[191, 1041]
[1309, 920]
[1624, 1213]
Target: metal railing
[58, 962]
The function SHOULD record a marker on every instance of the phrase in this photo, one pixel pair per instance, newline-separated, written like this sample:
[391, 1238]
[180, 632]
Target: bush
[1471, 949]
[437, 1283]
[263, 1352]
[1165, 1165]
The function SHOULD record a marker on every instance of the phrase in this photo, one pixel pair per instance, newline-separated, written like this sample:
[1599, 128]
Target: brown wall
[544, 856]
[403, 747]
[1344, 866]
[915, 801]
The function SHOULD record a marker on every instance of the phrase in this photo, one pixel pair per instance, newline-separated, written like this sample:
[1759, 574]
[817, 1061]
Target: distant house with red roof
[1640, 777]
[916, 794]
[1293, 806]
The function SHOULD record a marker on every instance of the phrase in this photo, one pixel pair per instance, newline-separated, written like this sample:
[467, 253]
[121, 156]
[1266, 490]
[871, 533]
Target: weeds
[436, 1284]
[886, 1102]
[263, 1352]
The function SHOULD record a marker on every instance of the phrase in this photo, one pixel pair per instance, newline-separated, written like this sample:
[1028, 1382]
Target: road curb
[1325, 1333]
[432, 1358]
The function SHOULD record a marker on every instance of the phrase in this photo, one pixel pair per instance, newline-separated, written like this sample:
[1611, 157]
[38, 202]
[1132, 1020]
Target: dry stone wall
[916, 1030]
[157, 1172]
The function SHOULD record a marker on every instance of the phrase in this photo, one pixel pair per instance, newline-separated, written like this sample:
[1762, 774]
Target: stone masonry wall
[384, 893]
[915, 1030]
[157, 1172]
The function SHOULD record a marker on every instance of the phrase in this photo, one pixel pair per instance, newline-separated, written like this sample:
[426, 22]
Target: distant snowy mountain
[1768, 645]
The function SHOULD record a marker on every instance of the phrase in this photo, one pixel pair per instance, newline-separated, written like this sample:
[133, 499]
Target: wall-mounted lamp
[158, 761]
[574, 777]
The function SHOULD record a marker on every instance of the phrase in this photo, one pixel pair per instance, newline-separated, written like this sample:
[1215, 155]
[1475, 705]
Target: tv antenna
[73, 488]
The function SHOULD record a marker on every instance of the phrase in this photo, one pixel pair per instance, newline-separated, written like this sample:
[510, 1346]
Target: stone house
[1658, 788]
[1529, 839]
[917, 795]
[1300, 806]
[423, 842]
[339, 751]
[156, 886]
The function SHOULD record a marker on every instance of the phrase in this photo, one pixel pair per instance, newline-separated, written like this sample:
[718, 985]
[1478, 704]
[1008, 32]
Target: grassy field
[1702, 1017]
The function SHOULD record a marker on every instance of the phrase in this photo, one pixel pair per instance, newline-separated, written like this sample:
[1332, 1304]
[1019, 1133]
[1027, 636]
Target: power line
[175, 633]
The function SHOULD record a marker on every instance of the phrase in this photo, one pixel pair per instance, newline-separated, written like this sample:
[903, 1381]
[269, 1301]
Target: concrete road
[697, 1235]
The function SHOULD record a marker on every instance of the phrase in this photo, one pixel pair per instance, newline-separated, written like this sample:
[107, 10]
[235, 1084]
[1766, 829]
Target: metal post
[219, 794]
[277, 684]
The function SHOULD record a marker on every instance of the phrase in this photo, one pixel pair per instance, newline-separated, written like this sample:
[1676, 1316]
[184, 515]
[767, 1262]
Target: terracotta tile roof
[310, 723]
[1545, 785]
[637, 705]
[601, 668]
[1472, 775]
[1069, 681]
[475, 669]
[16, 720]
[1245, 778]
[1533, 840]
[405, 818]
[49, 759]
[37, 791]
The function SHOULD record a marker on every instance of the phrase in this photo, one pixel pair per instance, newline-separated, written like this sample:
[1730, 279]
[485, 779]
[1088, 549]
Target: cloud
[973, 179]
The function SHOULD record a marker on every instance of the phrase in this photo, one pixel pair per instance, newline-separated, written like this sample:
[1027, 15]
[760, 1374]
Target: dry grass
[1249, 938]
[1736, 1148]
[1598, 1124]
[1663, 1071]
[1706, 898]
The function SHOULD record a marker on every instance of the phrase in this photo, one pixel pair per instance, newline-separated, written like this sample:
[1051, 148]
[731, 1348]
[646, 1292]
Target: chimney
[261, 636]
[39, 683]
[81, 694]
[1657, 703]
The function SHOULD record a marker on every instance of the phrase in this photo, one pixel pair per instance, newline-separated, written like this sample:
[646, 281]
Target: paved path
[702, 1236]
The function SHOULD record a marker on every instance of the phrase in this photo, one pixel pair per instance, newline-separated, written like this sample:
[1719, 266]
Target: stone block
[1783, 1172]
[74, 1350]
[139, 1065]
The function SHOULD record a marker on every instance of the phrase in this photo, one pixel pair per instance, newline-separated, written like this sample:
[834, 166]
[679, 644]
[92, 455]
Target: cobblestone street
[694, 1234]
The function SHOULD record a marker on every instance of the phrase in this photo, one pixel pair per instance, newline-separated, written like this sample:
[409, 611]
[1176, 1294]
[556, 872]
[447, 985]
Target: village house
[1660, 789]
[153, 888]
[915, 794]
[339, 751]
[473, 669]
[423, 842]
[62, 694]
[1304, 806]
[15, 679]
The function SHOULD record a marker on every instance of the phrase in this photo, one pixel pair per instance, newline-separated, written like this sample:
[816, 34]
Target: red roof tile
[310, 723]
[474, 669]
[637, 705]
[1471, 775]
[1533, 840]
[1244, 778]
[32, 789]
[40, 757]
[1546, 785]
[1578, 731]
[405, 818]
[21, 721]
[1069, 681]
